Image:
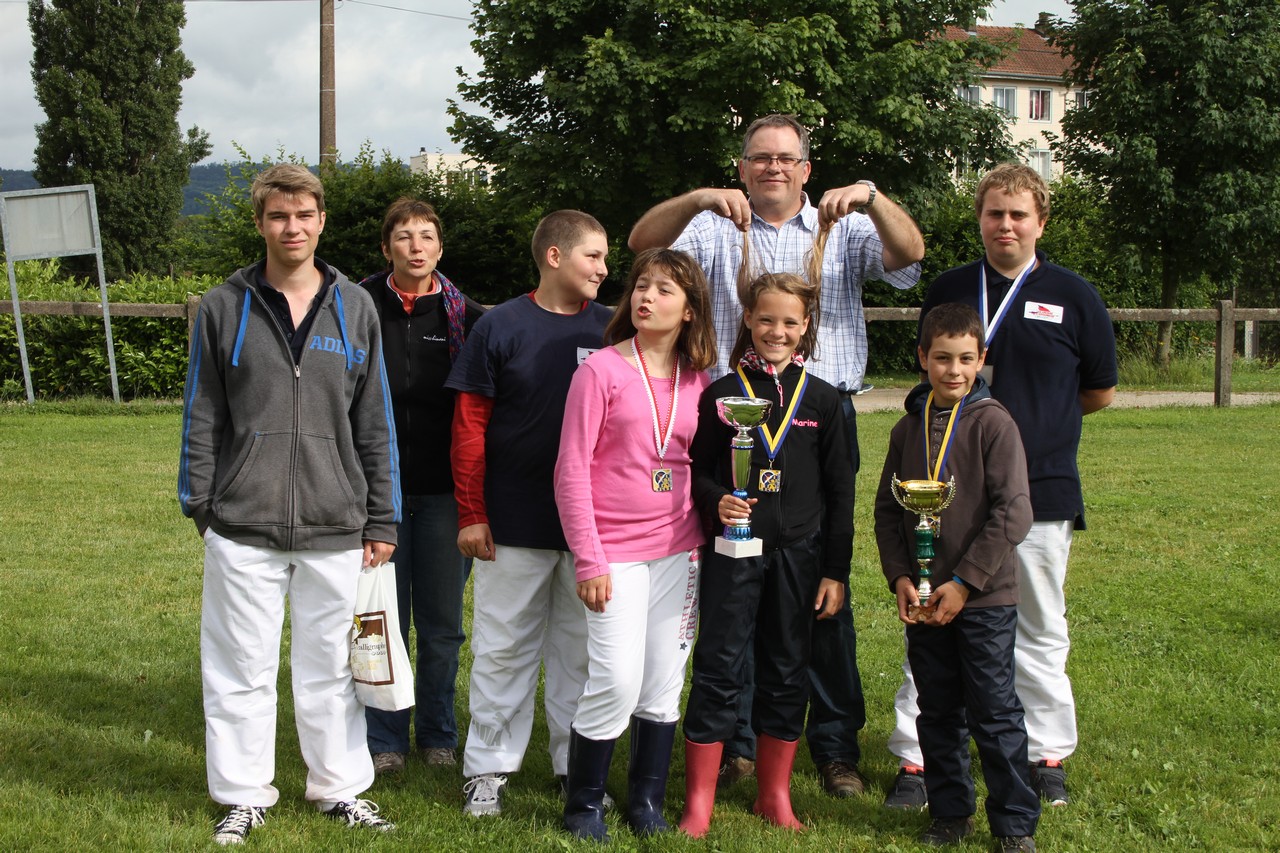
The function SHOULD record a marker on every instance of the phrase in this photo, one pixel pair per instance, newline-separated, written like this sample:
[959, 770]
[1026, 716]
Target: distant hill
[206, 179]
[12, 180]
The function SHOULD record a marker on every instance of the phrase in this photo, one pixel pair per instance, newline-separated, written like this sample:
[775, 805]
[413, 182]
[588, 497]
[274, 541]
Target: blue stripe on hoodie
[193, 381]
[342, 323]
[244, 324]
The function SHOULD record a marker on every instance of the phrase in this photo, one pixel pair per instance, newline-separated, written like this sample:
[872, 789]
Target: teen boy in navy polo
[1051, 359]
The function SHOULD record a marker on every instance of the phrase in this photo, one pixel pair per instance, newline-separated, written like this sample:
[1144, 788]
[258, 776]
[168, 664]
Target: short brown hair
[951, 320]
[809, 295]
[697, 340]
[778, 120]
[563, 229]
[1014, 178]
[406, 209]
[288, 179]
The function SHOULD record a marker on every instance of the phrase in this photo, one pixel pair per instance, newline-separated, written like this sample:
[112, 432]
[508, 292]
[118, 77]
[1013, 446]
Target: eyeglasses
[785, 162]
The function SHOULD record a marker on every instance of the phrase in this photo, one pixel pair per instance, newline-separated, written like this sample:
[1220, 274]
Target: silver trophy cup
[744, 414]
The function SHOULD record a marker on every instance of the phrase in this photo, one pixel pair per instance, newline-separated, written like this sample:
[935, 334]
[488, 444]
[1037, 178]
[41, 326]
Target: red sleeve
[471, 414]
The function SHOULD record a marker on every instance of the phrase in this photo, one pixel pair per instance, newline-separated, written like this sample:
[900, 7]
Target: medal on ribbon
[771, 478]
[661, 478]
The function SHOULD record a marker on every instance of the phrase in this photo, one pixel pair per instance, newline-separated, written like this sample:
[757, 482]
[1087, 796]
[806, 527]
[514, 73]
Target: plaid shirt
[854, 255]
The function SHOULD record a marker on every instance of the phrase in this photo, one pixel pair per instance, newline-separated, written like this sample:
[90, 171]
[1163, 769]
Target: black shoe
[588, 769]
[841, 779]
[647, 775]
[360, 813]
[1017, 844]
[1049, 780]
[235, 826]
[947, 830]
[908, 790]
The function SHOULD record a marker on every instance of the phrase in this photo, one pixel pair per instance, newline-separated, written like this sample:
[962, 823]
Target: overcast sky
[257, 73]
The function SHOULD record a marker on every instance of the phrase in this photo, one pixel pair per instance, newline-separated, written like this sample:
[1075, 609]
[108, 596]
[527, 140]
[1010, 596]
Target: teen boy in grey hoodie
[289, 469]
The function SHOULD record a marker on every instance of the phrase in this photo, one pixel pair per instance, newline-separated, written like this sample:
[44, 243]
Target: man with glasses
[867, 238]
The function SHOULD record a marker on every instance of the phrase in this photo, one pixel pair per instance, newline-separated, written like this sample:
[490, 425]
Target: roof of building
[1031, 56]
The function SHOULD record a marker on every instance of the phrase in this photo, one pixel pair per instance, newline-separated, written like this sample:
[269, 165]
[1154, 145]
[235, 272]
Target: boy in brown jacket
[962, 654]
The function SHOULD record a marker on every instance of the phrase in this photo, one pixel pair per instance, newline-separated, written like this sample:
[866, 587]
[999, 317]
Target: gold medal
[662, 479]
[770, 480]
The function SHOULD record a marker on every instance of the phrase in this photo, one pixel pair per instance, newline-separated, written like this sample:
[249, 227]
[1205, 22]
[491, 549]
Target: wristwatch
[871, 195]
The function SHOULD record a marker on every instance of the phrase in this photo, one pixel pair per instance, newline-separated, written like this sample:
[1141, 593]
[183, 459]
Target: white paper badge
[1042, 311]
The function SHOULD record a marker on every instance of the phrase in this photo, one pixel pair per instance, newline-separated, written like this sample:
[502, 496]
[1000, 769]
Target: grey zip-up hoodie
[285, 456]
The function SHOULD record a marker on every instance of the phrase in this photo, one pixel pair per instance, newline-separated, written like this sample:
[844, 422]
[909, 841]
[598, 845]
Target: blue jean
[836, 708]
[430, 578]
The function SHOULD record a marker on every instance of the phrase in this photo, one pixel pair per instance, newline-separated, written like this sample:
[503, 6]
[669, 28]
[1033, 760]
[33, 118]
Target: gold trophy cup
[926, 498]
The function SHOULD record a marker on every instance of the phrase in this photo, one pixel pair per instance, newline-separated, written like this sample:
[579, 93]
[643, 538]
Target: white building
[1028, 84]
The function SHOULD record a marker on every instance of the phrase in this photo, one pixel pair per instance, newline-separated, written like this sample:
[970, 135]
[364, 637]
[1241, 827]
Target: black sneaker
[1049, 780]
[908, 790]
[362, 813]
[947, 830]
[1017, 844]
[234, 828]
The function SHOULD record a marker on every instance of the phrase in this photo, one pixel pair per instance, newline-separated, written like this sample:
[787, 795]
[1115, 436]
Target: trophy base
[738, 548]
[921, 612]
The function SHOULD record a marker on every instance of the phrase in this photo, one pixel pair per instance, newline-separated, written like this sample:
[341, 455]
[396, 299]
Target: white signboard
[53, 223]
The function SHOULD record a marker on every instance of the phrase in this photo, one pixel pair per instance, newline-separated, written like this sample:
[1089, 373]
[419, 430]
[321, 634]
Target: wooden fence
[1224, 316]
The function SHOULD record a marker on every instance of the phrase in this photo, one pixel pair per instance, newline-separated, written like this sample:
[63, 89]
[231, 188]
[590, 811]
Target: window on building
[1041, 105]
[1006, 98]
[1081, 99]
[969, 94]
[1042, 162]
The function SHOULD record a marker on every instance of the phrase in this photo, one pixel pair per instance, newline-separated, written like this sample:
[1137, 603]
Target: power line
[355, 2]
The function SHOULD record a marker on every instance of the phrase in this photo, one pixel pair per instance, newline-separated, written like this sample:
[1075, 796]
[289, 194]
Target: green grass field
[1173, 610]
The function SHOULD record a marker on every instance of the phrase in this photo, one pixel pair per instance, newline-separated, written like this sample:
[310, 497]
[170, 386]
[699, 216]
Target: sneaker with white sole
[484, 794]
[361, 813]
[1049, 780]
[909, 791]
[234, 827]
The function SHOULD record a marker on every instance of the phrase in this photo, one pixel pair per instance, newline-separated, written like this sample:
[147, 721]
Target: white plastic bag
[379, 661]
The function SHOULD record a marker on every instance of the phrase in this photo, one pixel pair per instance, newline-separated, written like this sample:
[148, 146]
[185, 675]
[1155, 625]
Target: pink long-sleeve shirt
[604, 472]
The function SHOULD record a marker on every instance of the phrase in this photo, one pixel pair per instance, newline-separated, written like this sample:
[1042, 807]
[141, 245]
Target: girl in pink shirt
[623, 491]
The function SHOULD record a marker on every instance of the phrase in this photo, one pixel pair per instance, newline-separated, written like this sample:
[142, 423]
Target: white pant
[526, 610]
[240, 626]
[638, 647]
[1040, 654]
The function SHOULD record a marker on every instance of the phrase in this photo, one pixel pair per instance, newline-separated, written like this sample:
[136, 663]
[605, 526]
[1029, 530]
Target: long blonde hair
[746, 279]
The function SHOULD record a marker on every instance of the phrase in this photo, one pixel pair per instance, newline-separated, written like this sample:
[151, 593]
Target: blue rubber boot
[647, 777]
[588, 770]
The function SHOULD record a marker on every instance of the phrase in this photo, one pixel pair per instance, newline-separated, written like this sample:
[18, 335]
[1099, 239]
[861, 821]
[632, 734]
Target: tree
[613, 105]
[486, 237]
[1182, 129]
[108, 75]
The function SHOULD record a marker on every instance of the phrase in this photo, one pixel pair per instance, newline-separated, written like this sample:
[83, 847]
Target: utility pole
[328, 97]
